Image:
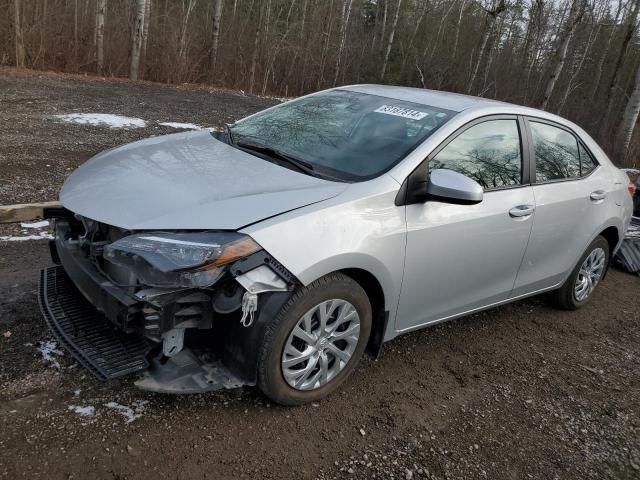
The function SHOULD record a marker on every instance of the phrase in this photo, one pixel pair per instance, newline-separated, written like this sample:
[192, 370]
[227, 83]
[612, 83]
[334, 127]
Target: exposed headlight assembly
[180, 259]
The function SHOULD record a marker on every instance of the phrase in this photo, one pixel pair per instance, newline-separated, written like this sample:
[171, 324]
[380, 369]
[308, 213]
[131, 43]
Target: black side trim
[374, 347]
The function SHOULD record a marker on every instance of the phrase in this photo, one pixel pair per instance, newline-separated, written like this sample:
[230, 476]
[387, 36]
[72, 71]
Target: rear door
[572, 194]
[463, 257]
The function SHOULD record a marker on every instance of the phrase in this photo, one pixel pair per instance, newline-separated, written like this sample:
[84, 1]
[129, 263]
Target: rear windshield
[347, 135]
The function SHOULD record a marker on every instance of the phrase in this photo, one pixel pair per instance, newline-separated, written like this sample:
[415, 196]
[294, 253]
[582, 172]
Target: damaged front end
[187, 309]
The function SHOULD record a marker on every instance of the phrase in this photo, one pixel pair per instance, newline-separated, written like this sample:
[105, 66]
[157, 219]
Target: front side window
[489, 153]
[556, 151]
[343, 134]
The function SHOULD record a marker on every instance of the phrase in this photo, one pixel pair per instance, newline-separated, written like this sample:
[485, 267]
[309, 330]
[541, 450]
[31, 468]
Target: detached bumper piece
[94, 341]
[187, 372]
[628, 255]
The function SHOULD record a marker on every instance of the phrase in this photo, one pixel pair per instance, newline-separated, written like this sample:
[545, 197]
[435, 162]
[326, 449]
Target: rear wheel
[316, 341]
[579, 287]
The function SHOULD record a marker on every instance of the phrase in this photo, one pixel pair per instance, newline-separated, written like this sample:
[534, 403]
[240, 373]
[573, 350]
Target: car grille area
[94, 342]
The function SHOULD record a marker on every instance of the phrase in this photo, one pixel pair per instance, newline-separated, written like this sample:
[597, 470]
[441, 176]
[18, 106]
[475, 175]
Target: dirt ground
[521, 391]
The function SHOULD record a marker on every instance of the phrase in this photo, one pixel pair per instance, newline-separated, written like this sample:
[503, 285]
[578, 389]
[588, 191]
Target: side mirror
[453, 187]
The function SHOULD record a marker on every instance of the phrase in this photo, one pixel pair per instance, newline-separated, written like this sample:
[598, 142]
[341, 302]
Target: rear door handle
[520, 211]
[598, 195]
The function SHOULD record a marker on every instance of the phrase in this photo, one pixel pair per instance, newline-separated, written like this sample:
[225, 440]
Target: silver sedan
[278, 251]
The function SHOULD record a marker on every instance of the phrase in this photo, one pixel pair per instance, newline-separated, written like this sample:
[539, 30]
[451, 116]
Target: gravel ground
[520, 391]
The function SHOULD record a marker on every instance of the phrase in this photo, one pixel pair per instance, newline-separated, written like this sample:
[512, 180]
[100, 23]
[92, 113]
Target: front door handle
[598, 195]
[520, 211]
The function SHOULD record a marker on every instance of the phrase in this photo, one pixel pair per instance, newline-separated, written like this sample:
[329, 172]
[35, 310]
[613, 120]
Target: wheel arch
[379, 314]
[612, 235]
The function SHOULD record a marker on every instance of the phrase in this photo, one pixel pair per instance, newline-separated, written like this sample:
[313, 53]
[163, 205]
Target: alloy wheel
[590, 274]
[321, 344]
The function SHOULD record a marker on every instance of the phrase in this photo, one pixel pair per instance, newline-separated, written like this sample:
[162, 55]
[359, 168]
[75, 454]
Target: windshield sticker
[401, 112]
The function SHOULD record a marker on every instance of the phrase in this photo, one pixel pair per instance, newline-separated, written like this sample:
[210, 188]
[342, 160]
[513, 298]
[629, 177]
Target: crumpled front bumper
[108, 352]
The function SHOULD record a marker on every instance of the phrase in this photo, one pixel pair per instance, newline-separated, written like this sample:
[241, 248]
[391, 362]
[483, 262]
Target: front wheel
[316, 341]
[579, 287]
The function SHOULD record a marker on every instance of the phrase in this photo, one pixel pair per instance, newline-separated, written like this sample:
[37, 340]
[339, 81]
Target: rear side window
[489, 153]
[556, 151]
[587, 163]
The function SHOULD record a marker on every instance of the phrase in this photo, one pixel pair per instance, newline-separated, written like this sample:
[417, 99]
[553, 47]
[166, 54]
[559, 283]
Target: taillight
[632, 189]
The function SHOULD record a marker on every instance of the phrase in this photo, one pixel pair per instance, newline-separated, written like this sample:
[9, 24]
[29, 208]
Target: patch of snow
[131, 413]
[39, 236]
[103, 120]
[188, 126]
[48, 349]
[184, 126]
[87, 411]
[42, 224]
[76, 393]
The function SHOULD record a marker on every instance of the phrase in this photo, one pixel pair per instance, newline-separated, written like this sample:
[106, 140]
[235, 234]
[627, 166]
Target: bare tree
[629, 118]
[575, 17]
[217, 16]
[284, 47]
[457, 36]
[254, 56]
[578, 68]
[391, 36]
[136, 39]
[18, 35]
[184, 36]
[101, 8]
[75, 33]
[145, 29]
[492, 14]
[629, 31]
[600, 67]
[344, 24]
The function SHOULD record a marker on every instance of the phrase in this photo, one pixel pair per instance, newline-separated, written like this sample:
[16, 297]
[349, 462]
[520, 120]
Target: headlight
[179, 259]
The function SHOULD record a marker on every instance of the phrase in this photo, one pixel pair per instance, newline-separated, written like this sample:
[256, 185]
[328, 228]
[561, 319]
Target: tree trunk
[75, 34]
[457, 37]
[629, 119]
[326, 35]
[18, 35]
[184, 37]
[599, 69]
[384, 22]
[136, 39]
[587, 48]
[390, 44]
[629, 32]
[628, 36]
[254, 56]
[483, 47]
[346, 13]
[100, 11]
[145, 28]
[498, 7]
[42, 50]
[575, 17]
[217, 15]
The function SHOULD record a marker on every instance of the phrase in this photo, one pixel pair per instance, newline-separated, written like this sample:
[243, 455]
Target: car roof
[458, 102]
[446, 100]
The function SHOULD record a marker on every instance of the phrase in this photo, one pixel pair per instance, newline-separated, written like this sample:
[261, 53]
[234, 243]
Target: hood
[187, 181]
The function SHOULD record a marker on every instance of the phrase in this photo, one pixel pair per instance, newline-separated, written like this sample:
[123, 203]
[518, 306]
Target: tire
[566, 296]
[337, 291]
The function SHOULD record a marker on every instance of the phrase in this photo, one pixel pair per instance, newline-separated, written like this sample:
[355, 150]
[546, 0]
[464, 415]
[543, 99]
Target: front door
[463, 257]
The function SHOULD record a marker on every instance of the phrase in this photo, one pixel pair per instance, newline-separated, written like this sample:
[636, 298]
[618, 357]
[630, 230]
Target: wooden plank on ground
[24, 212]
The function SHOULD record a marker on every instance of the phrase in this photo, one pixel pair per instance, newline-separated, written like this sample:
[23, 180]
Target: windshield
[342, 134]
